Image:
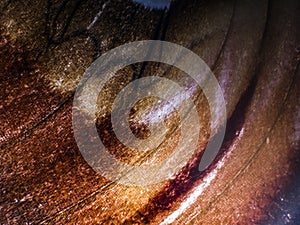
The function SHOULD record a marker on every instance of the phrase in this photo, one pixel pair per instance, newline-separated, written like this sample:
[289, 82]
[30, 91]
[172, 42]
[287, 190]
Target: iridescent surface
[251, 46]
[155, 3]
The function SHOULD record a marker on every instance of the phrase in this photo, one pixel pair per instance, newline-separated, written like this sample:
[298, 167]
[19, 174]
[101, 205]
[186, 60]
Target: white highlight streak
[199, 190]
[96, 17]
[192, 198]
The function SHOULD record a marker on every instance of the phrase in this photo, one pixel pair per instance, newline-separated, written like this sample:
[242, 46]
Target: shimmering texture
[251, 46]
[155, 3]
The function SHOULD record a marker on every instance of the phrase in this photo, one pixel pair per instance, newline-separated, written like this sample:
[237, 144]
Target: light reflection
[159, 4]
